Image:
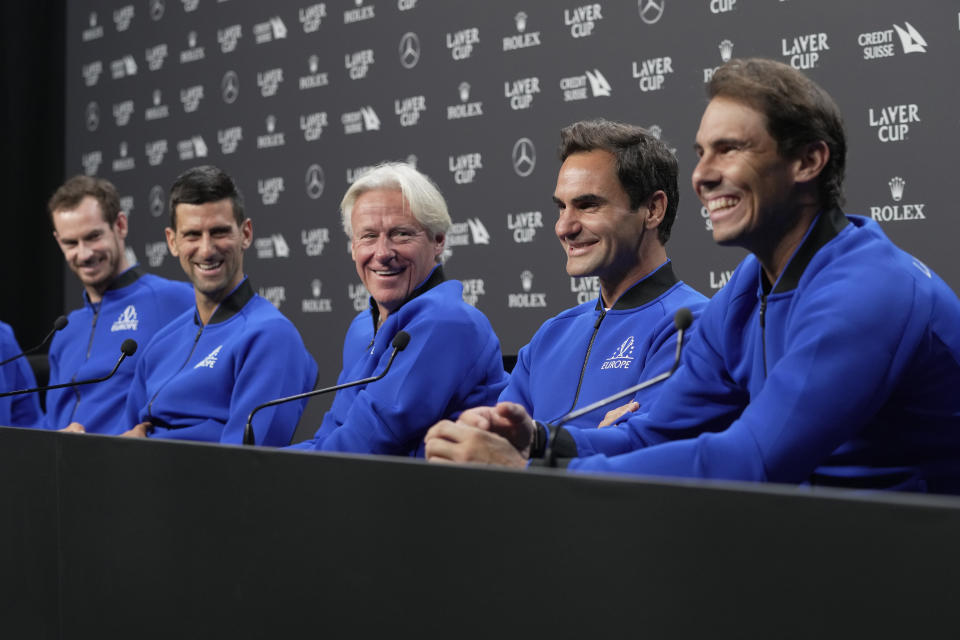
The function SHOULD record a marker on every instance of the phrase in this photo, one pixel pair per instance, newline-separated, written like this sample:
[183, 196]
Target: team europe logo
[210, 360]
[127, 320]
[622, 357]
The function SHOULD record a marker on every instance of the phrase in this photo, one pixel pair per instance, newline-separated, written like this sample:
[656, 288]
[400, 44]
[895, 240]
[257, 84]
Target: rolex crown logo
[896, 188]
[521, 20]
[526, 280]
[726, 50]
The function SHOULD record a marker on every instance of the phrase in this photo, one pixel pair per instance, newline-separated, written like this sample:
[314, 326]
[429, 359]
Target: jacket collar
[826, 227]
[651, 287]
[125, 279]
[232, 304]
[436, 277]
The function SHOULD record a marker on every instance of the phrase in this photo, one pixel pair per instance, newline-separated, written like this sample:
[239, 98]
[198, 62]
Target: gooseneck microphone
[58, 324]
[682, 320]
[128, 348]
[400, 342]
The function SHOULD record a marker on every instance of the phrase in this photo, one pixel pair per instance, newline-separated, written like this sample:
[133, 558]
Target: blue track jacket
[22, 410]
[452, 363]
[844, 373]
[136, 305]
[587, 353]
[198, 382]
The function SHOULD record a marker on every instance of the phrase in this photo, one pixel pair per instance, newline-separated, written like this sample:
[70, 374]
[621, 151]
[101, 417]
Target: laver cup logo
[893, 122]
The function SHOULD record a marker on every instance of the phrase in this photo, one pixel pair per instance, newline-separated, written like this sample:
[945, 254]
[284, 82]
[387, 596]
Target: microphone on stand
[400, 342]
[128, 348]
[58, 324]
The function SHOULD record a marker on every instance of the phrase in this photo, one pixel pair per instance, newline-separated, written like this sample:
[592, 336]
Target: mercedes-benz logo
[157, 201]
[93, 116]
[156, 9]
[230, 86]
[409, 50]
[524, 157]
[651, 10]
[314, 181]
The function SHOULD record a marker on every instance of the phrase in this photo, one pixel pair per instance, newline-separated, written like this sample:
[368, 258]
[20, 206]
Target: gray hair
[421, 193]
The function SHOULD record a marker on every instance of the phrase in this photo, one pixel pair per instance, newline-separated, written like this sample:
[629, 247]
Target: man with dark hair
[120, 302]
[831, 357]
[616, 197]
[200, 376]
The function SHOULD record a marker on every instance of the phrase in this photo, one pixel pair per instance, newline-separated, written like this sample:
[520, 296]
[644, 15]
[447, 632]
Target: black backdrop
[32, 72]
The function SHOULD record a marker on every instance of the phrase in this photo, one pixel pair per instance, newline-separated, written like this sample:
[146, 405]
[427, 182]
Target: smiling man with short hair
[397, 222]
[616, 199]
[200, 377]
[120, 302]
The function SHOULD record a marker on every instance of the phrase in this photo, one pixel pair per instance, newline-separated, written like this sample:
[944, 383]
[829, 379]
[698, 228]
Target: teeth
[208, 267]
[387, 273]
[721, 203]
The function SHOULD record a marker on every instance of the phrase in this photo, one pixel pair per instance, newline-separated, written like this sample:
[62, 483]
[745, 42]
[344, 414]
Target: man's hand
[506, 419]
[139, 431]
[614, 414]
[457, 442]
[74, 427]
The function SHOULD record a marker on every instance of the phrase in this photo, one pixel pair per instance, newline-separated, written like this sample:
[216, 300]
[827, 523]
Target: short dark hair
[797, 109]
[203, 184]
[74, 190]
[643, 163]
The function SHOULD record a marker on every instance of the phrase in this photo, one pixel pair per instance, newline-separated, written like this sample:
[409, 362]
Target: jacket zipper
[586, 358]
[93, 331]
[192, 349]
[763, 332]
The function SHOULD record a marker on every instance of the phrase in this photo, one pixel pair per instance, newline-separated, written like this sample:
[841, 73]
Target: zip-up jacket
[199, 382]
[452, 363]
[136, 305]
[22, 410]
[587, 353]
[845, 373]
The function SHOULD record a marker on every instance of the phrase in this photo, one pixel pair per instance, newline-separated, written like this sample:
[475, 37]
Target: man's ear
[120, 225]
[811, 161]
[171, 244]
[655, 210]
[246, 230]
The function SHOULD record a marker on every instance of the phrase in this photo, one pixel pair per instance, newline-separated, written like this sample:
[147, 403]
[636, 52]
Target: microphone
[58, 324]
[682, 320]
[400, 342]
[128, 348]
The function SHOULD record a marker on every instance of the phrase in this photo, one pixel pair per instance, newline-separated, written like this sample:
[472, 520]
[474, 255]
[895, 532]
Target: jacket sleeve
[24, 409]
[273, 364]
[136, 395]
[697, 397]
[448, 365]
[518, 386]
[54, 363]
[844, 350]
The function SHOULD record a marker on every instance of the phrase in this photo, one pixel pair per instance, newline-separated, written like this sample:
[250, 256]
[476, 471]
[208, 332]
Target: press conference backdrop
[296, 99]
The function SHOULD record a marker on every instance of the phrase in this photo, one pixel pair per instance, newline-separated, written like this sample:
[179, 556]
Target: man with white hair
[397, 222]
